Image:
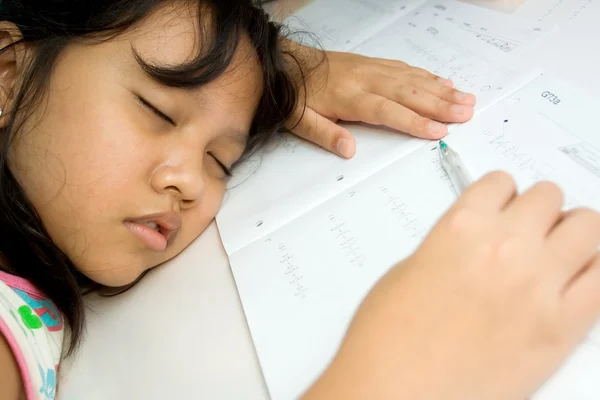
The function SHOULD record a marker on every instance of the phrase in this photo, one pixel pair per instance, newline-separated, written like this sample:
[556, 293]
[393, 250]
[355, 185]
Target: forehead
[176, 33]
[172, 34]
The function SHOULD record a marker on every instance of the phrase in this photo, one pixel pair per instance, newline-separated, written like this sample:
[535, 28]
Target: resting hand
[350, 87]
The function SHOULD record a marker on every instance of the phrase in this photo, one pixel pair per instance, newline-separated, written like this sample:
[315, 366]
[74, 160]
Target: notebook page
[340, 25]
[292, 176]
[512, 34]
[545, 132]
[301, 284]
[426, 39]
[561, 12]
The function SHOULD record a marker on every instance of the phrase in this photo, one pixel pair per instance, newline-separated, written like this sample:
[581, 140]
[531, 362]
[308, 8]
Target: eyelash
[169, 120]
[145, 103]
[223, 167]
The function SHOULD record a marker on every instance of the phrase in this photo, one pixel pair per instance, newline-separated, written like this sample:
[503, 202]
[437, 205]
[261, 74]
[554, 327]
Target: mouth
[155, 231]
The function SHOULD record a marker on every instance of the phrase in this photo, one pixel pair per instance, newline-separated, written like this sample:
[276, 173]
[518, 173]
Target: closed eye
[223, 167]
[145, 103]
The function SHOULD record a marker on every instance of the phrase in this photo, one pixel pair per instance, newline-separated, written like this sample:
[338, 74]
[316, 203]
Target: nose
[183, 180]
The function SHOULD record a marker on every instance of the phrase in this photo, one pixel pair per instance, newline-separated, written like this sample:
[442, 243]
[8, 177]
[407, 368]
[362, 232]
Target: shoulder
[31, 331]
[12, 387]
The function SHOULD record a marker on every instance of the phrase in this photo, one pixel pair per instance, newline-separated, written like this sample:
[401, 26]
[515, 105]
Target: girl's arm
[11, 387]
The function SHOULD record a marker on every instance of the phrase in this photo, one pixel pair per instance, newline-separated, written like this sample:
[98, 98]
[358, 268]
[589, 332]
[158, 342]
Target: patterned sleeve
[33, 329]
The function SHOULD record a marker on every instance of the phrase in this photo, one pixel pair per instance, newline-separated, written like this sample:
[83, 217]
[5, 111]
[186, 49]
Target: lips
[155, 231]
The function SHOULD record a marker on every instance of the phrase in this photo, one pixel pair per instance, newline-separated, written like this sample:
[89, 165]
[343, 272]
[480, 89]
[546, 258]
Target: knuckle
[504, 249]
[417, 124]
[421, 72]
[442, 107]
[358, 71]
[461, 220]
[400, 91]
[547, 329]
[380, 107]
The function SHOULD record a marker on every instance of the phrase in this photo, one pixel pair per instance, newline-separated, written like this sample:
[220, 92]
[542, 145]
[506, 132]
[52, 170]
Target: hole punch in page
[292, 176]
[301, 284]
[544, 132]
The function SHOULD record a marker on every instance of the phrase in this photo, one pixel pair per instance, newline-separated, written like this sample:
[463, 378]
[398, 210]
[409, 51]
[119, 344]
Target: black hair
[49, 26]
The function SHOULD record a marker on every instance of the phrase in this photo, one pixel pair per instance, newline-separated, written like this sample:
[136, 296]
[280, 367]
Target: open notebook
[308, 233]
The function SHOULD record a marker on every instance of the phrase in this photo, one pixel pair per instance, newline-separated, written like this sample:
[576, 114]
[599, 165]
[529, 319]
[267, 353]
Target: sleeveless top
[33, 328]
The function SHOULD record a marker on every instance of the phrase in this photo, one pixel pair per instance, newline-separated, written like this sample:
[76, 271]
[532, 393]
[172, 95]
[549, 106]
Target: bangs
[221, 26]
[220, 30]
[48, 28]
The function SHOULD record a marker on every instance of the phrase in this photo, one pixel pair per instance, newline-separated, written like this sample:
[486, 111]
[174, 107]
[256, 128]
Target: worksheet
[291, 176]
[545, 132]
[574, 46]
[560, 12]
[301, 283]
[308, 233]
[342, 24]
[509, 33]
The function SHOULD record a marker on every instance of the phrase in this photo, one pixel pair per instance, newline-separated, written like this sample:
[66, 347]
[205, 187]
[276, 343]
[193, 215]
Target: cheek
[197, 219]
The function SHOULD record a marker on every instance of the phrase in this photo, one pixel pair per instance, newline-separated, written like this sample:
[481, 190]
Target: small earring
[1, 111]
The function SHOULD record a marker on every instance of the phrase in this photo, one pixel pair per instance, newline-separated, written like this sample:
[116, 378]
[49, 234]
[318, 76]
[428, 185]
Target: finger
[414, 72]
[575, 241]
[393, 66]
[420, 101]
[493, 192]
[582, 298]
[379, 110]
[443, 91]
[325, 133]
[538, 209]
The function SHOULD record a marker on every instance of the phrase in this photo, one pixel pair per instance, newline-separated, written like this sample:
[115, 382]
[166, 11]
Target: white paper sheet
[511, 34]
[561, 12]
[544, 132]
[292, 176]
[301, 283]
[308, 233]
[342, 24]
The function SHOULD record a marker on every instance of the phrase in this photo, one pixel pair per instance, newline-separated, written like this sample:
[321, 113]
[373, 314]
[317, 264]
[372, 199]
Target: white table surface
[181, 332]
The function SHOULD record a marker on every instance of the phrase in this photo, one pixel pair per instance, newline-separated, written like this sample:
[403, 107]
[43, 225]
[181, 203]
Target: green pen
[454, 167]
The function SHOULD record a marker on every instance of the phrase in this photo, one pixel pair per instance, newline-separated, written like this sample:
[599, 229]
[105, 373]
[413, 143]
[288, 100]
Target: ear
[10, 65]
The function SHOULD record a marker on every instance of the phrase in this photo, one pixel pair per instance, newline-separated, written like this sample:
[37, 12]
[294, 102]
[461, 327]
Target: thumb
[325, 133]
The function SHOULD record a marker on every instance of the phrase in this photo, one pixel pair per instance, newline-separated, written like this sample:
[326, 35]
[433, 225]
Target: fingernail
[460, 110]
[462, 97]
[343, 148]
[436, 129]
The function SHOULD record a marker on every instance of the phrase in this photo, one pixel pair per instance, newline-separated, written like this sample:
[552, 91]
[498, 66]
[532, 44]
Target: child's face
[93, 157]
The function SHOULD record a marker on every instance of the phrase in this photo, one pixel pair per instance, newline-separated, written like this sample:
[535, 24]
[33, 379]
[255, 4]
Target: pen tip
[443, 145]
